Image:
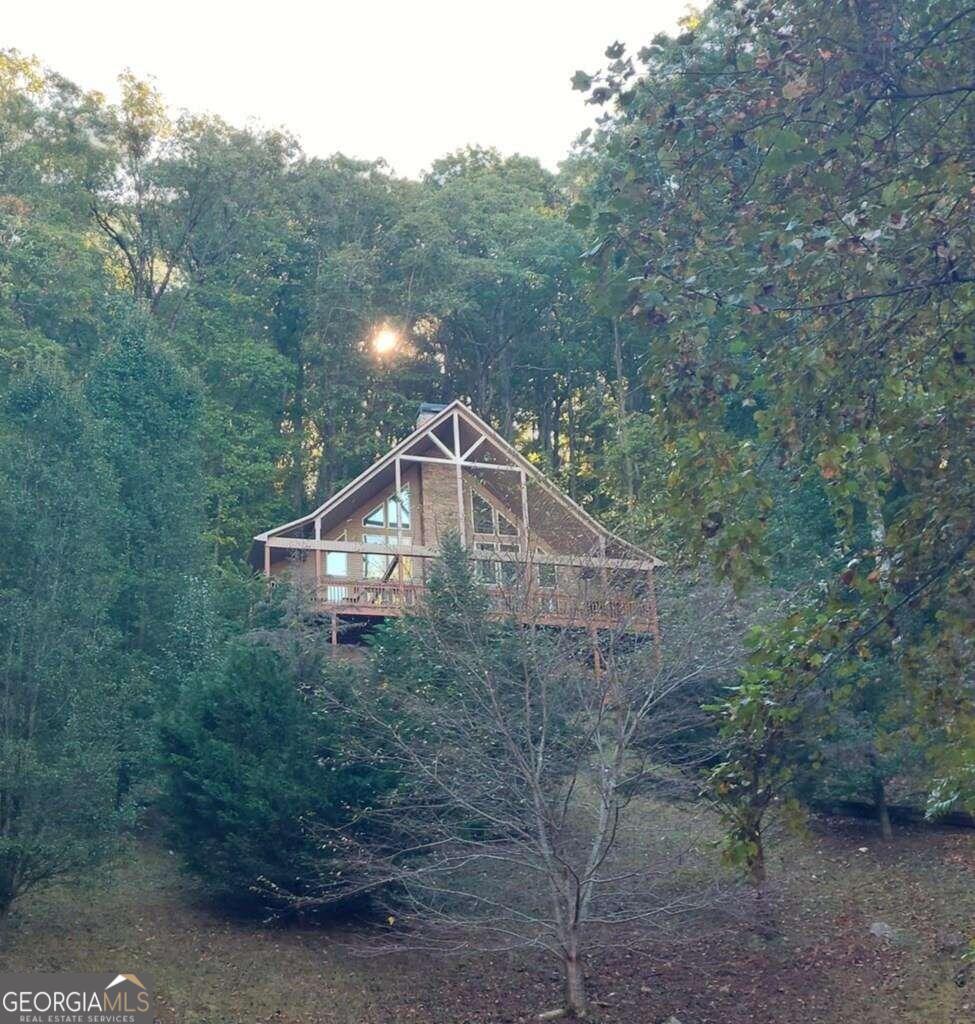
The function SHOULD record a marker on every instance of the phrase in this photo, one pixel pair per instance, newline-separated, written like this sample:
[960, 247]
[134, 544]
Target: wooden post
[597, 661]
[267, 559]
[399, 510]
[399, 529]
[335, 629]
[604, 577]
[654, 621]
[461, 518]
[319, 557]
[526, 526]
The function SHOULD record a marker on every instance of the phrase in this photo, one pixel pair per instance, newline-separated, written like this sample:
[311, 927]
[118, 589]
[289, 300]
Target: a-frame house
[366, 551]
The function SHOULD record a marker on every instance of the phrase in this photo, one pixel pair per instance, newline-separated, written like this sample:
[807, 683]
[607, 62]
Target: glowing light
[384, 341]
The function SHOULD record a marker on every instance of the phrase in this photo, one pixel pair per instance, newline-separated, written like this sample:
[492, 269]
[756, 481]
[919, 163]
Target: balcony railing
[391, 597]
[368, 594]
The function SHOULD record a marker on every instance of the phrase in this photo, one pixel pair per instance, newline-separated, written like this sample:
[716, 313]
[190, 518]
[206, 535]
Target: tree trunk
[298, 441]
[766, 925]
[543, 402]
[557, 404]
[571, 437]
[8, 893]
[507, 398]
[575, 986]
[621, 415]
[756, 866]
[883, 812]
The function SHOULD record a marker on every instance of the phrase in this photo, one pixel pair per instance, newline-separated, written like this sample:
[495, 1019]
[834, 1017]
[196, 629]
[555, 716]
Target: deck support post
[461, 524]
[335, 629]
[399, 527]
[267, 559]
[654, 620]
[319, 558]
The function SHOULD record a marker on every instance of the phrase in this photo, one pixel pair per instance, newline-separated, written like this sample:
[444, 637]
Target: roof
[439, 416]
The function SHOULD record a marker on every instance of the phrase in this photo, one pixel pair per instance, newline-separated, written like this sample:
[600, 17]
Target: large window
[548, 576]
[493, 572]
[488, 520]
[387, 516]
[337, 562]
[376, 566]
[395, 510]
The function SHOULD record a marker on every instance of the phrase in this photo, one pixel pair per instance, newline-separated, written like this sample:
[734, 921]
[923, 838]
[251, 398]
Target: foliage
[251, 769]
[150, 411]
[63, 714]
[516, 765]
[759, 725]
[762, 358]
[783, 205]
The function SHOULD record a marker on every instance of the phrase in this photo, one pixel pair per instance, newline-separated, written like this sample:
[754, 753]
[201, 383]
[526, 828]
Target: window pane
[374, 566]
[483, 515]
[484, 570]
[505, 527]
[404, 506]
[398, 507]
[336, 563]
[547, 576]
[510, 571]
[375, 517]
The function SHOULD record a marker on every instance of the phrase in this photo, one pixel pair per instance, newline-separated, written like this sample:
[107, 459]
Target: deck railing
[369, 594]
[391, 597]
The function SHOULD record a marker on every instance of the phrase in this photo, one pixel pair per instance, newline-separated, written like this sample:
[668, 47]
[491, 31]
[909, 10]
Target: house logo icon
[119, 978]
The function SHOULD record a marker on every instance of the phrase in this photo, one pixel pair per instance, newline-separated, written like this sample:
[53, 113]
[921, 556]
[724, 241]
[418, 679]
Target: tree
[52, 279]
[61, 704]
[150, 409]
[785, 209]
[517, 768]
[248, 773]
[871, 747]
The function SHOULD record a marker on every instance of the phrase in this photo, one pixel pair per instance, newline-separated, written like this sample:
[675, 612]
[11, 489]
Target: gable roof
[505, 447]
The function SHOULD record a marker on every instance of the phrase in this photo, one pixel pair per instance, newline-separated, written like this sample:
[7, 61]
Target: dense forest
[736, 326]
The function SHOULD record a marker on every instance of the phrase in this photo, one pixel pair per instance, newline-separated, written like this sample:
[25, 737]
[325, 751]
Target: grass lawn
[827, 967]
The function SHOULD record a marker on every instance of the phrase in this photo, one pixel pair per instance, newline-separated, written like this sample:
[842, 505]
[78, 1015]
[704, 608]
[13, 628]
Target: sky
[406, 81]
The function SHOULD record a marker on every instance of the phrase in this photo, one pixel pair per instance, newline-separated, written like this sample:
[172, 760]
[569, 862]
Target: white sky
[408, 81]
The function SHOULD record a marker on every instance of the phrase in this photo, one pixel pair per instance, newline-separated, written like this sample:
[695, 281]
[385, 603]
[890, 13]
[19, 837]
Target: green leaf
[580, 215]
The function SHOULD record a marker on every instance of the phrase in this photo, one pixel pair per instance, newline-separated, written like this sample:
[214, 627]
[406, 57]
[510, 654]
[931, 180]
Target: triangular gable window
[483, 514]
[384, 516]
[488, 520]
[375, 517]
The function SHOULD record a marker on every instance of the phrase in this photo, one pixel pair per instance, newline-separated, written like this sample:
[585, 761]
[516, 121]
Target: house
[366, 551]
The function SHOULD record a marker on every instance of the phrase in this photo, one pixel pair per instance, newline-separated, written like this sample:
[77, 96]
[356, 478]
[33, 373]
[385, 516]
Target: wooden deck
[545, 607]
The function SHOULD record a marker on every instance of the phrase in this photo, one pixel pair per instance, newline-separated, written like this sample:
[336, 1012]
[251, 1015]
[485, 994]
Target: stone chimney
[428, 410]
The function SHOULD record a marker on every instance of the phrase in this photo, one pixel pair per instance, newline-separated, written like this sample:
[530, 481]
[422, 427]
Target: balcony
[589, 607]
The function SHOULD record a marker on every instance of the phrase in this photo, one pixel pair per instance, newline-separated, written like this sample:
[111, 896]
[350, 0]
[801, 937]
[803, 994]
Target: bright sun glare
[384, 341]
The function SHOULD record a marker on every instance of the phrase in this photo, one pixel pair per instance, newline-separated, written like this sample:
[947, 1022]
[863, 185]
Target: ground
[826, 968]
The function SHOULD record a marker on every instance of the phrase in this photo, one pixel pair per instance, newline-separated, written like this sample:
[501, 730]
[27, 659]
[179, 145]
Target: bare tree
[516, 754]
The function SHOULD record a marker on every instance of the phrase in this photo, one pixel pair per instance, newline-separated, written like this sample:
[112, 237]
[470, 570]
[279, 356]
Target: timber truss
[552, 531]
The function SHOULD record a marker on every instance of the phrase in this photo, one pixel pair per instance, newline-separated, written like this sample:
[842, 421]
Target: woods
[735, 326]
